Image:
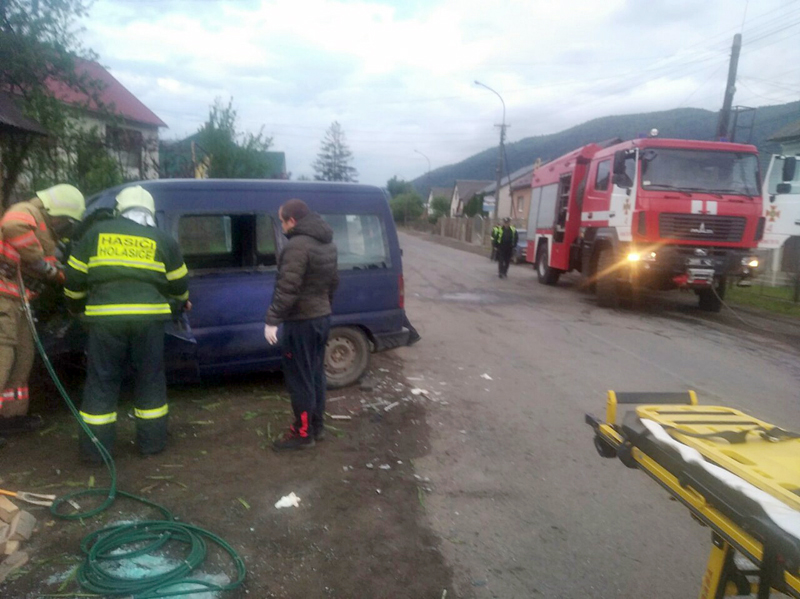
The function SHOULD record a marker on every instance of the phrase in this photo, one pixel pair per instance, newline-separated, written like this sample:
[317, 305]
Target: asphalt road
[523, 504]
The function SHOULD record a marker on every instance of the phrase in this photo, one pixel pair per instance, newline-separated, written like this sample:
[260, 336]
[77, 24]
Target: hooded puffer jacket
[307, 273]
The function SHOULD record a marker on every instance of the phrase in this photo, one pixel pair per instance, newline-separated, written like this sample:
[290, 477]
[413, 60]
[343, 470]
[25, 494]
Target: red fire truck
[648, 213]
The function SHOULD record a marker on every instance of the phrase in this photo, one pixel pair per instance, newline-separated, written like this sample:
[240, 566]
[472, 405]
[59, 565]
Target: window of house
[360, 241]
[227, 241]
[603, 175]
[127, 145]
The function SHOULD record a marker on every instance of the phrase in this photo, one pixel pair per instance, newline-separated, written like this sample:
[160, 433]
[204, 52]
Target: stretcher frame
[736, 525]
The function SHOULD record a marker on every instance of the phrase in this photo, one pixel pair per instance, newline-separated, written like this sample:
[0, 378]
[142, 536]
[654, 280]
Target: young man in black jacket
[307, 279]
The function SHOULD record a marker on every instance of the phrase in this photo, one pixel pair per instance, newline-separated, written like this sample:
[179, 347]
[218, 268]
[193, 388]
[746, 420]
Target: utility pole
[501, 150]
[428, 176]
[730, 89]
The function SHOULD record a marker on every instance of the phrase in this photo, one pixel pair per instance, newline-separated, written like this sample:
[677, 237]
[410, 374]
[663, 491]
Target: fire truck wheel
[546, 275]
[711, 299]
[606, 286]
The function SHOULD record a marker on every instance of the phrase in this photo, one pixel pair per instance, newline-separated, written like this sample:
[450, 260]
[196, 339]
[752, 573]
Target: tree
[440, 206]
[474, 206]
[38, 46]
[233, 154]
[397, 186]
[334, 157]
[406, 207]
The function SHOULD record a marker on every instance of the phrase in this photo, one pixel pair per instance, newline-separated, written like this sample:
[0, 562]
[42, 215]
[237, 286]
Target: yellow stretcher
[744, 484]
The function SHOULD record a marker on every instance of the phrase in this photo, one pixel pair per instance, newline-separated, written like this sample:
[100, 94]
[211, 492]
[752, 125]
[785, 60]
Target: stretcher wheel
[603, 448]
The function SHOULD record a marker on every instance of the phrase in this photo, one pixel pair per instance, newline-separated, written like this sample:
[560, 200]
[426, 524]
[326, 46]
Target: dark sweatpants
[112, 346]
[504, 259]
[303, 348]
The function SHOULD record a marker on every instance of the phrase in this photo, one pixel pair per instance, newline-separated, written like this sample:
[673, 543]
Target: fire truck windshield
[700, 171]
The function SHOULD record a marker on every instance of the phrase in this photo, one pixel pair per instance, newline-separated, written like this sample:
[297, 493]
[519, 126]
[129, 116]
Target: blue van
[230, 236]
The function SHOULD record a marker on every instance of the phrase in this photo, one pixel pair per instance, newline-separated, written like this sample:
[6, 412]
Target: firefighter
[29, 232]
[506, 242]
[123, 274]
[495, 240]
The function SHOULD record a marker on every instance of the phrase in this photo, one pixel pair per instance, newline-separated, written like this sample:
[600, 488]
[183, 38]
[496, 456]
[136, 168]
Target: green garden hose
[109, 545]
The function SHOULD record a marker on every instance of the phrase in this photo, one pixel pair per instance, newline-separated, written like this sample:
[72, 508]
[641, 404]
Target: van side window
[266, 252]
[603, 175]
[360, 241]
[216, 240]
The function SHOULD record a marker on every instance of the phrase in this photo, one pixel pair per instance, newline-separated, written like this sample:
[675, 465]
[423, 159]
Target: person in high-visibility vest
[123, 274]
[29, 233]
[506, 242]
[495, 240]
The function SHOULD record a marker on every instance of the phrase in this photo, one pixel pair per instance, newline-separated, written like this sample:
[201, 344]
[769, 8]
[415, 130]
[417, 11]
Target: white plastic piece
[487, 377]
[290, 500]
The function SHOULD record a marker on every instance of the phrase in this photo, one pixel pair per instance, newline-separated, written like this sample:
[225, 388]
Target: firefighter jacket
[26, 242]
[123, 270]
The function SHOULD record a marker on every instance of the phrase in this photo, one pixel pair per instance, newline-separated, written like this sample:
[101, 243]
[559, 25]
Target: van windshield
[360, 241]
[700, 171]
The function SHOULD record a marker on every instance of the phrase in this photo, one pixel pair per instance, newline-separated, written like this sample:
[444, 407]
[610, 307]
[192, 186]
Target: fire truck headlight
[752, 262]
[634, 257]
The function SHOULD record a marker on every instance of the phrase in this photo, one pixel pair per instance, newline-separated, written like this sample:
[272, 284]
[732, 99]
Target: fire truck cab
[648, 213]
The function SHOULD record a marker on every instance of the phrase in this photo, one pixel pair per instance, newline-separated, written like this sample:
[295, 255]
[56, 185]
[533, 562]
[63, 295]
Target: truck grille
[701, 227]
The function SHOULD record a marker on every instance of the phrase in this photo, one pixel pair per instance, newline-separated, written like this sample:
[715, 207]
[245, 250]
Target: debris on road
[340, 417]
[290, 500]
[385, 467]
[391, 406]
[487, 377]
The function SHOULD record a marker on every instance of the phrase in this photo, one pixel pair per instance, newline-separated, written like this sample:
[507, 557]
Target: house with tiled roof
[463, 191]
[129, 128]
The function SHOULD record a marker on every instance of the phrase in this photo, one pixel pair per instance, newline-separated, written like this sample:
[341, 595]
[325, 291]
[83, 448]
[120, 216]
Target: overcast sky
[398, 75]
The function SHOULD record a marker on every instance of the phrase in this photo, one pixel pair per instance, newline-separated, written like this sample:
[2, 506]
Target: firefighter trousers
[113, 345]
[303, 359]
[16, 358]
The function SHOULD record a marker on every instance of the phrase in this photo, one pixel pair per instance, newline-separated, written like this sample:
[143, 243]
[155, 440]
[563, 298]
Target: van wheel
[606, 285]
[546, 275]
[346, 356]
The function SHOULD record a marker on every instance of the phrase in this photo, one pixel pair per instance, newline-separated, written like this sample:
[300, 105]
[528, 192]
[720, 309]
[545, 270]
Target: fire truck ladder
[743, 126]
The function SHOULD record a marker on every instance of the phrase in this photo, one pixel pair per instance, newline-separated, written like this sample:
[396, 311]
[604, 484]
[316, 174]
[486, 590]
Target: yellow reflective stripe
[94, 262]
[151, 414]
[123, 309]
[77, 264]
[99, 418]
[177, 273]
[183, 296]
[74, 294]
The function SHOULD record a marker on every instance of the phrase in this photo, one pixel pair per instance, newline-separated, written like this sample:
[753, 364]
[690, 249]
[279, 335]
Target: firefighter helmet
[63, 200]
[135, 197]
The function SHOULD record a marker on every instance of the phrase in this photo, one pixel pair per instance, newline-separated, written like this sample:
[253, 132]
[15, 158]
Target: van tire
[346, 356]
[545, 274]
[606, 284]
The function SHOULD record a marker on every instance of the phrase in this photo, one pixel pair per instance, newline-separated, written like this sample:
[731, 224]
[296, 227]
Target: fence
[476, 230]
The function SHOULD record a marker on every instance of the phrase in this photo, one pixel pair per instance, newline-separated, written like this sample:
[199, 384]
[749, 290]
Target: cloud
[399, 75]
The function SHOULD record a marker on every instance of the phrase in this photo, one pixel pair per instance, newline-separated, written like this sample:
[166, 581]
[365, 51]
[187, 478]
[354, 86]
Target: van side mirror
[789, 168]
[782, 188]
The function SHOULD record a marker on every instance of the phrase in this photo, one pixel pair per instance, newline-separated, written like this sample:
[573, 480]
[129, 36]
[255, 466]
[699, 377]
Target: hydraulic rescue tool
[736, 474]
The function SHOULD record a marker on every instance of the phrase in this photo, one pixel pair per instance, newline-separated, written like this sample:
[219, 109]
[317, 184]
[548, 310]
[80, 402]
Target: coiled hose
[109, 545]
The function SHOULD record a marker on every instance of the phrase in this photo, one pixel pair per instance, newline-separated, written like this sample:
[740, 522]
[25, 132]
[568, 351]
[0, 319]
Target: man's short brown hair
[294, 208]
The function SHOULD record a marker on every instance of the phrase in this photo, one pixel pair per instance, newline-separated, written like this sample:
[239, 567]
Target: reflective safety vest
[123, 270]
[496, 231]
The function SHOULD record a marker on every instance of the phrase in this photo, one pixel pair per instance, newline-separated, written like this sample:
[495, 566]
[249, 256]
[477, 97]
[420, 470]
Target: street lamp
[500, 154]
[428, 176]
